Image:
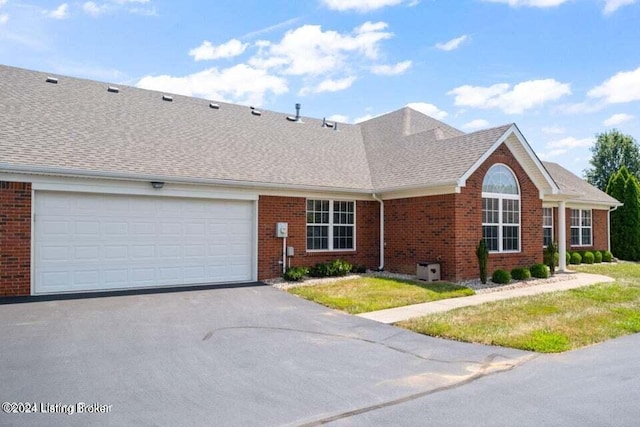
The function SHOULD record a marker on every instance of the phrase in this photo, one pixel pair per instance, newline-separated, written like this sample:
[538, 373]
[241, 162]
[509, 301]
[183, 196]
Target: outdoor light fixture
[157, 184]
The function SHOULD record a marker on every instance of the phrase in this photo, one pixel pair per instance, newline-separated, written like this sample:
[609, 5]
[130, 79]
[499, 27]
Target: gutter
[381, 266]
[609, 226]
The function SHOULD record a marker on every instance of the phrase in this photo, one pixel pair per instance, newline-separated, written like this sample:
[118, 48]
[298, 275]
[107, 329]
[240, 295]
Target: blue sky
[563, 70]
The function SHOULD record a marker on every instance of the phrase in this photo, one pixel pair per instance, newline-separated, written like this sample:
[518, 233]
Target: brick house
[105, 187]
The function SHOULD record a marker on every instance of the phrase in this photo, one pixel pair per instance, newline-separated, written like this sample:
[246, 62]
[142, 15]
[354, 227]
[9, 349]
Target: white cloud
[452, 44]
[428, 109]
[622, 87]
[570, 142]
[391, 70]
[516, 100]
[340, 118]
[240, 83]
[552, 153]
[553, 130]
[3, 2]
[4, 18]
[329, 85]
[364, 118]
[308, 50]
[361, 5]
[580, 108]
[207, 51]
[61, 12]
[530, 3]
[611, 6]
[476, 124]
[93, 9]
[617, 119]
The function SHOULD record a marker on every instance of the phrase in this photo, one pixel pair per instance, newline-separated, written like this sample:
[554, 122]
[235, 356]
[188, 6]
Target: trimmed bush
[576, 258]
[482, 252]
[319, 270]
[568, 256]
[520, 273]
[295, 274]
[359, 268]
[588, 258]
[539, 271]
[551, 257]
[339, 268]
[597, 257]
[607, 256]
[501, 277]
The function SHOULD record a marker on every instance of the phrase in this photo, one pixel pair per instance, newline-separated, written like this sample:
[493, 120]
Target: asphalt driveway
[239, 356]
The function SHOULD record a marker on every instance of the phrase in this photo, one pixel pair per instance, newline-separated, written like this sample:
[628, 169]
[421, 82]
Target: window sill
[331, 252]
[504, 252]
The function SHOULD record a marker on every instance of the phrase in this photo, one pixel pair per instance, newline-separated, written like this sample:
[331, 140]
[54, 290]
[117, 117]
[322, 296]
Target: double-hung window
[581, 229]
[330, 225]
[547, 226]
[501, 210]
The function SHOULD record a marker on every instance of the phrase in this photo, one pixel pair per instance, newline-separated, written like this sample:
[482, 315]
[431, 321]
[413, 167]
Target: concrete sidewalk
[393, 315]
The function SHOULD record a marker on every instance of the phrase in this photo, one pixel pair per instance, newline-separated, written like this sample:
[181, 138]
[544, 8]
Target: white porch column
[562, 236]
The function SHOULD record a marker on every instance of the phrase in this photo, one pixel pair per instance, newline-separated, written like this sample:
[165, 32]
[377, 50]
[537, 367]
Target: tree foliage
[611, 151]
[482, 252]
[625, 221]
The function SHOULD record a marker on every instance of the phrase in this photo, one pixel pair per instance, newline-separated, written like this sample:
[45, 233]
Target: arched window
[501, 210]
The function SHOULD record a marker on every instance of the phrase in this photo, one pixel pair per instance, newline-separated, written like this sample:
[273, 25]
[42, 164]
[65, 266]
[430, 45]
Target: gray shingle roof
[577, 187]
[77, 125]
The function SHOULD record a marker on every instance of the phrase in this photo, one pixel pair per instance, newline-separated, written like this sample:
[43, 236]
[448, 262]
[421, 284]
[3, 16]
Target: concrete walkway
[393, 315]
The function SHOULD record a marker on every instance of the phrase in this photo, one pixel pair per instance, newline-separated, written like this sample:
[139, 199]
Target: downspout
[609, 227]
[381, 266]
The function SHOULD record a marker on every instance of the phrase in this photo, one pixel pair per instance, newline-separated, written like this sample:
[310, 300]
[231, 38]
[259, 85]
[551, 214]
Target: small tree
[550, 257]
[483, 257]
[611, 151]
[625, 221]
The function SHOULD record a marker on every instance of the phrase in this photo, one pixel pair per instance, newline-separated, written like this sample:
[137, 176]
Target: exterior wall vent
[53, 80]
[113, 89]
[214, 106]
[255, 112]
[167, 98]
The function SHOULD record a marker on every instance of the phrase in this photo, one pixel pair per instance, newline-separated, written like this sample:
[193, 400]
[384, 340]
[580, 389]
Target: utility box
[282, 229]
[428, 271]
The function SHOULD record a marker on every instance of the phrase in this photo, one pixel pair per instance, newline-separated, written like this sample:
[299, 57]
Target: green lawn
[548, 323]
[361, 295]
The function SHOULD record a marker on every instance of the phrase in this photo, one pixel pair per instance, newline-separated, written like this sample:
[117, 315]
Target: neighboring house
[105, 187]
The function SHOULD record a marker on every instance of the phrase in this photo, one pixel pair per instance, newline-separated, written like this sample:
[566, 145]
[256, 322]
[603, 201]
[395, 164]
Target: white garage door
[98, 242]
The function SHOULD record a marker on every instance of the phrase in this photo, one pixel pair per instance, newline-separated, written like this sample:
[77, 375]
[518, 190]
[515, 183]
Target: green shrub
[339, 268]
[597, 257]
[501, 277]
[588, 258]
[607, 256]
[295, 274]
[551, 257]
[576, 258]
[568, 257]
[482, 252]
[359, 268]
[520, 273]
[539, 271]
[331, 269]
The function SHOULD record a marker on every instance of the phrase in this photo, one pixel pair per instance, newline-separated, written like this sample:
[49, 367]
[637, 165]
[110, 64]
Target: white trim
[256, 239]
[580, 227]
[331, 225]
[381, 265]
[500, 197]
[32, 267]
[546, 226]
[562, 235]
[513, 130]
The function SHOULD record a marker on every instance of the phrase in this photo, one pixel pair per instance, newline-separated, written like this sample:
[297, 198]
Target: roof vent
[214, 106]
[297, 117]
[255, 112]
[167, 98]
[335, 125]
[326, 124]
[53, 80]
[113, 89]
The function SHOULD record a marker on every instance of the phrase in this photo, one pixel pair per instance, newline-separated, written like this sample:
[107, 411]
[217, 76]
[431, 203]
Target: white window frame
[550, 227]
[501, 224]
[331, 226]
[581, 227]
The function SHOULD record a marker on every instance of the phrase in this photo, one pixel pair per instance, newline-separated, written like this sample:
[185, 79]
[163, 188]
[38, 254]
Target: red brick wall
[469, 219]
[272, 209]
[599, 231]
[15, 238]
[420, 229]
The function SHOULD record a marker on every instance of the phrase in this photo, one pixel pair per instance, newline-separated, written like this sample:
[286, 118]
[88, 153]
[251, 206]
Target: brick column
[15, 238]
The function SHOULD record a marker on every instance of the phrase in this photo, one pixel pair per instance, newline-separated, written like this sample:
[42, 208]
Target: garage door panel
[95, 242]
